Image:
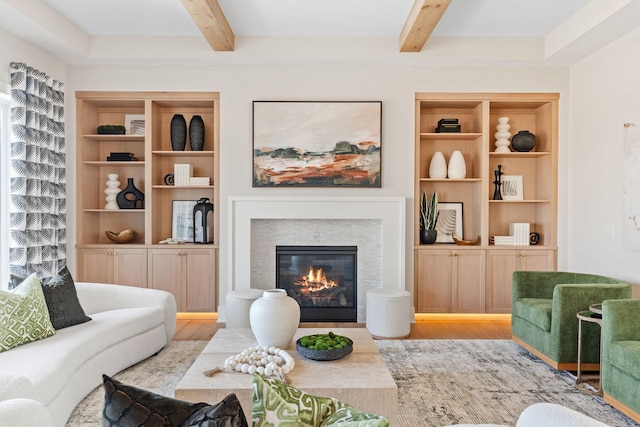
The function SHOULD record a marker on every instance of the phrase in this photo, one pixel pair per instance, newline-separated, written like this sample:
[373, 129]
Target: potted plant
[428, 217]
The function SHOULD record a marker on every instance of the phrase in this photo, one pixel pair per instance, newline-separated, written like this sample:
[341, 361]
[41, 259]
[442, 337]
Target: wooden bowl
[125, 236]
[466, 242]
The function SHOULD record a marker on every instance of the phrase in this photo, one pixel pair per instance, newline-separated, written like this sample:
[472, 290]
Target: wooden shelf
[100, 259]
[458, 278]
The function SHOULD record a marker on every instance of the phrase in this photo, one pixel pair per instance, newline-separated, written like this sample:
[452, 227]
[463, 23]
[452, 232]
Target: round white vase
[457, 166]
[274, 318]
[112, 190]
[438, 166]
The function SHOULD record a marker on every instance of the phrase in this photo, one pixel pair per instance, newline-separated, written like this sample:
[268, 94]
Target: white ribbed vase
[457, 166]
[274, 318]
[438, 166]
[112, 190]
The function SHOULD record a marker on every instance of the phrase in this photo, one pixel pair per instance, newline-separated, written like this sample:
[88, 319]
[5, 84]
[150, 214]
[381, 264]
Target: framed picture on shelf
[511, 188]
[317, 144]
[134, 124]
[182, 220]
[449, 222]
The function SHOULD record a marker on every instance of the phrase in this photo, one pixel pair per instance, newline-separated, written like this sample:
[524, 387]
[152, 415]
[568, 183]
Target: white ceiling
[318, 18]
[548, 32]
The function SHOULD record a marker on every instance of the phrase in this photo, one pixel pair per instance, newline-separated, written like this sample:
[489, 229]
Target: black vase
[196, 133]
[523, 141]
[428, 237]
[178, 132]
[130, 197]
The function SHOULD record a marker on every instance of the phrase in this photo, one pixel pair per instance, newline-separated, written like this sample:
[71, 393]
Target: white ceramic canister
[274, 318]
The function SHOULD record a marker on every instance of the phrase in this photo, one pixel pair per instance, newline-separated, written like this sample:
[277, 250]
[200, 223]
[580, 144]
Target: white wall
[604, 94]
[394, 85]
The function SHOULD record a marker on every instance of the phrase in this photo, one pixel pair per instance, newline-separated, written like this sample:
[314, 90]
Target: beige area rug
[440, 382]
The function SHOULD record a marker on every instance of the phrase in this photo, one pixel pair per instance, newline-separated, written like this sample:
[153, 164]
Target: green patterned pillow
[276, 403]
[23, 314]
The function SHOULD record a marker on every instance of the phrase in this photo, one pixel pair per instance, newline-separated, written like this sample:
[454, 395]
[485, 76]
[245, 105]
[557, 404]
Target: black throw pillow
[226, 413]
[128, 406]
[62, 300]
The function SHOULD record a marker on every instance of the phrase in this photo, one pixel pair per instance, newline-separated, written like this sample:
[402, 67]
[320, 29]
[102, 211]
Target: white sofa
[42, 382]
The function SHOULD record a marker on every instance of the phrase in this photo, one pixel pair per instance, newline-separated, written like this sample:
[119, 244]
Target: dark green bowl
[324, 355]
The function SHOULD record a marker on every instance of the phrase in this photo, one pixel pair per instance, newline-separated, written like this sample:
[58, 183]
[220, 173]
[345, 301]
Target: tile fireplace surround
[375, 224]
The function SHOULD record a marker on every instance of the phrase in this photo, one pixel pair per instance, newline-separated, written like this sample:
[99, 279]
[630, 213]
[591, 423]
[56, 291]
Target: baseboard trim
[562, 366]
[621, 407]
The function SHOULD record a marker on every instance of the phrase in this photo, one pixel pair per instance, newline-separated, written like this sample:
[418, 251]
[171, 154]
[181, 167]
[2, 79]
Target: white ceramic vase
[274, 318]
[438, 166]
[502, 135]
[457, 166]
[112, 190]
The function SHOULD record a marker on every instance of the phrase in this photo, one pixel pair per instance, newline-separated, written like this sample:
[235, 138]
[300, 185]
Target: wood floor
[192, 326]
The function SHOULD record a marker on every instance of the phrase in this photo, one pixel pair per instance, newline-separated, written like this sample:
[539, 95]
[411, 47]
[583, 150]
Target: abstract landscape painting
[316, 144]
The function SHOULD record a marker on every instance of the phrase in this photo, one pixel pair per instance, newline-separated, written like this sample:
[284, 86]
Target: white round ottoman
[238, 306]
[388, 313]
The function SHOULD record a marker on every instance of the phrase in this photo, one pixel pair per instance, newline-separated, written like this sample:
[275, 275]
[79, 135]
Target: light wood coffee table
[360, 379]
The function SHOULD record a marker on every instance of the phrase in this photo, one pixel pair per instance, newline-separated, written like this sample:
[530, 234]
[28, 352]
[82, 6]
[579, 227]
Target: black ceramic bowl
[324, 355]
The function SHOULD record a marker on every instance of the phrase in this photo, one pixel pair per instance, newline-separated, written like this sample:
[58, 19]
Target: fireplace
[322, 279]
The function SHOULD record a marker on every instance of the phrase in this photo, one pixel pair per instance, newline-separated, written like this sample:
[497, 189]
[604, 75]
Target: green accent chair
[621, 355]
[544, 305]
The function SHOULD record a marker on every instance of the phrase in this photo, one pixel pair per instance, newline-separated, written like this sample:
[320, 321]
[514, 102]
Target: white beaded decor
[265, 360]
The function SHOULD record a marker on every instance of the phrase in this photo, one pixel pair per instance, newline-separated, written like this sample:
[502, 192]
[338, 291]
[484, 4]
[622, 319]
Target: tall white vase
[502, 135]
[438, 166]
[274, 318]
[112, 190]
[457, 166]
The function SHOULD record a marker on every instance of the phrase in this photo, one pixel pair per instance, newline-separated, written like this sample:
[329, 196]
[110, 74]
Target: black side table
[593, 315]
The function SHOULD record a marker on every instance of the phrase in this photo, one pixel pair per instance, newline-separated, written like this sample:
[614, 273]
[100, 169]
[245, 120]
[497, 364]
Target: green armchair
[621, 355]
[543, 314]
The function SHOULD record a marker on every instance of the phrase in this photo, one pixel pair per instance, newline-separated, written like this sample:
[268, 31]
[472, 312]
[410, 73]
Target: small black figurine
[130, 197]
[497, 195]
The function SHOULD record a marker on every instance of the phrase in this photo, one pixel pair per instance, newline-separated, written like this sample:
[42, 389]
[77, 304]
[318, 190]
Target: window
[5, 152]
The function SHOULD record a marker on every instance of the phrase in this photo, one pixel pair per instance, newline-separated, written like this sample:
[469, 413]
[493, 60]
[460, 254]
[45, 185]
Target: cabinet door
[501, 265]
[165, 272]
[130, 267]
[537, 260]
[468, 280]
[199, 279]
[434, 281]
[95, 265]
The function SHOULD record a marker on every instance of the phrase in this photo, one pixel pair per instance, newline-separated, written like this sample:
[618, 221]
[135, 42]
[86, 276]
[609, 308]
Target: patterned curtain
[37, 211]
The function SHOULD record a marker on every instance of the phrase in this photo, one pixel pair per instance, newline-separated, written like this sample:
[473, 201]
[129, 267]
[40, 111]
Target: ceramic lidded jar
[274, 318]
[523, 141]
[438, 166]
[457, 166]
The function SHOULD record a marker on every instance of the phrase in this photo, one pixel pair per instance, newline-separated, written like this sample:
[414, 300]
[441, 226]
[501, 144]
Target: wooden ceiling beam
[208, 15]
[423, 18]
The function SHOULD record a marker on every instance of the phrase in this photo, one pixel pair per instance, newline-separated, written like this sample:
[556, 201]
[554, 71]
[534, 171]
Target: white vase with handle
[274, 318]
[457, 166]
[438, 166]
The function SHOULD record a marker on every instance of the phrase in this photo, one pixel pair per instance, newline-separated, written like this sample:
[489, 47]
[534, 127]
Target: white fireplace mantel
[389, 211]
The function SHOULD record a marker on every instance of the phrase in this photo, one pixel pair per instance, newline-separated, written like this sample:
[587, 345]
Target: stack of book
[200, 181]
[448, 125]
[121, 157]
[520, 231]
[503, 240]
[182, 174]
[518, 235]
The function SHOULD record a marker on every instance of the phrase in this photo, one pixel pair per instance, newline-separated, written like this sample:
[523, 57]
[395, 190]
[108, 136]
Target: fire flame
[316, 280]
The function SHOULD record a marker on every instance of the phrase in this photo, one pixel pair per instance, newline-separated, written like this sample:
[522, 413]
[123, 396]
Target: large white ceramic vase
[457, 166]
[438, 166]
[274, 318]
